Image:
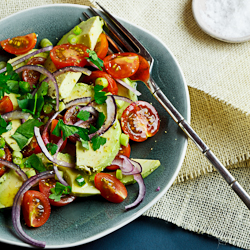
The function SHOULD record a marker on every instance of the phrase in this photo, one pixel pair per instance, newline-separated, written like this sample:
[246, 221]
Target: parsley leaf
[25, 132]
[83, 115]
[100, 120]
[58, 191]
[35, 162]
[66, 130]
[4, 126]
[95, 59]
[52, 147]
[99, 96]
[85, 144]
[97, 141]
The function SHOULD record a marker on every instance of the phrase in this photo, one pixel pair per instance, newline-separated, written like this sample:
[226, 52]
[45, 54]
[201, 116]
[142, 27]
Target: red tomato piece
[142, 73]
[31, 148]
[112, 86]
[46, 185]
[102, 46]
[32, 76]
[36, 208]
[124, 150]
[5, 105]
[121, 65]
[19, 45]
[140, 120]
[69, 55]
[110, 187]
[7, 157]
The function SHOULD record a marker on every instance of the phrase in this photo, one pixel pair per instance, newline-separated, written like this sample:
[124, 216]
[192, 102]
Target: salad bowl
[90, 218]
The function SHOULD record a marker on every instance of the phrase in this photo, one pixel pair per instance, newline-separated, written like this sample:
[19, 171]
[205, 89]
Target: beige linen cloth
[217, 74]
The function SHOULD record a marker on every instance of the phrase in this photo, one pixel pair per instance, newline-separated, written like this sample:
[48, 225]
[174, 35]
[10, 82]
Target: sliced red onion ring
[22, 59]
[43, 71]
[111, 116]
[136, 92]
[59, 176]
[72, 69]
[16, 114]
[16, 209]
[16, 168]
[142, 192]
[78, 101]
[122, 98]
[46, 152]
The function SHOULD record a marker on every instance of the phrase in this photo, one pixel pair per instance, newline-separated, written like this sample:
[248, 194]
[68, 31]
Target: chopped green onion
[102, 81]
[47, 108]
[30, 173]
[124, 139]
[72, 39]
[17, 154]
[2, 153]
[19, 162]
[45, 43]
[80, 180]
[77, 30]
[118, 174]
[2, 142]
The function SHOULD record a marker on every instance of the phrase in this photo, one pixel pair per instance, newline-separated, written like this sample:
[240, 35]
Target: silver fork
[127, 42]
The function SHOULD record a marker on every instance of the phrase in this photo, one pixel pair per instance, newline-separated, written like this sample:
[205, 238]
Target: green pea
[2, 142]
[2, 153]
[77, 30]
[102, 81]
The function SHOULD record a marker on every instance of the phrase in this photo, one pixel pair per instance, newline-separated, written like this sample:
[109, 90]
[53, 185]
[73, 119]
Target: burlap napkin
[217, 75]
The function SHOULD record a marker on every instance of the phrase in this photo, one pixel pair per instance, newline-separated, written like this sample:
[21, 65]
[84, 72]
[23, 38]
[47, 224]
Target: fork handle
[188, 130]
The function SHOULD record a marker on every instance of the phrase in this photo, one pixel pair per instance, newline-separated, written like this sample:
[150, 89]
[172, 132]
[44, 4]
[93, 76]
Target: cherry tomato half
[121, 65]
[124, 150]
[32, 76]
[5, 105]
[7, 157]
[102, 46]
[140, 120]
[112, 86]
[31, 148]
[143, 71]
[36, 208]
[20, 44]
[69, 55]
[46, 185]
[110, 187]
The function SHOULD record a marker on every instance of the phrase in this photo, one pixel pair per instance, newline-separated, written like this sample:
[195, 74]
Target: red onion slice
[14, 115]
[78, 101]
[46, 152]
[123, 98]
[43, 71]
[61, 180]
[16, 209]
[136, 92]
[22, 59]
[111, 116]
[142, 192]
[16, 168]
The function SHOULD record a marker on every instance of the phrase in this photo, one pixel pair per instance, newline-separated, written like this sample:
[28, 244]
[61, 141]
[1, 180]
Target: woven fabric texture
[217, 74]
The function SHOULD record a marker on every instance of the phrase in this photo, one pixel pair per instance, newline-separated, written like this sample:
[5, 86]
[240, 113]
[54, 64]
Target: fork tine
[124, 45]
[141, 49]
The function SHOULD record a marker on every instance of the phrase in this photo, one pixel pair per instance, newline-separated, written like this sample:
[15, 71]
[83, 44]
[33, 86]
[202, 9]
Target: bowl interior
[90, 218]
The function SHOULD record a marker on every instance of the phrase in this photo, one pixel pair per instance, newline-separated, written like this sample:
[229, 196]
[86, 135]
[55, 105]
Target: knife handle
[188, 130]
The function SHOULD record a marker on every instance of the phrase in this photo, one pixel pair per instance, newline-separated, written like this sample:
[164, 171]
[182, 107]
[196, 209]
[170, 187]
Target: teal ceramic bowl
[88, 219]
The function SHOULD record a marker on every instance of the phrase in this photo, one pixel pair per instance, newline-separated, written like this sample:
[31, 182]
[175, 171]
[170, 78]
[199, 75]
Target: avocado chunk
[10, 183]
[86, 190]
[91, 30]
[95, 161]
[80, 90]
